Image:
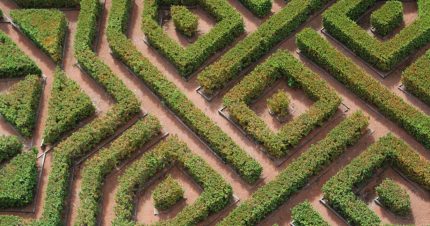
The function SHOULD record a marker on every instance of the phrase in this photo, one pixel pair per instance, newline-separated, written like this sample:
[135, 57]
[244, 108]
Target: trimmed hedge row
[10, 146]
[281, 65]
[105, 161]
[254, 46]
[415, 122]
[395, 198]
[185, 21]
[215, 196]
[387, 18]
[18, 180]
[47, 3]
[167, 193]
[259, 8]
[45, 27]
[298, 173]
[416, 78]
[13, 62]
[188, 60]
[339, 21]
[388, 150]
[10, 221]
[20, 104]
[173, 98]
[304, 214]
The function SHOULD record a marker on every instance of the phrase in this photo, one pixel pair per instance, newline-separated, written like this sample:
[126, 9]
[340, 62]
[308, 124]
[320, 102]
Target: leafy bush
[279, 103]
[48, 3]
[18, 180]
[416, 78]
[415, 122]
[68, 105]
[259, 8]
[257, 44]
[387, 18]
[173, 98]
[304, 214]
[394, 197]
[215, 196]
[167, 193]
[185, 21]
[10, 221]
[10, 146]
[45, 27]
[298, 173]
[20, 104]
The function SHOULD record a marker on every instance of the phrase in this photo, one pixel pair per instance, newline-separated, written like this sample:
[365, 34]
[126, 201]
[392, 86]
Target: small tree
[278, 104]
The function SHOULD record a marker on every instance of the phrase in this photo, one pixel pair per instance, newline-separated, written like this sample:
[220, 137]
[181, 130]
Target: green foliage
[45, 27]
[68, 105]
[416, 78]
[215, 196]
[167, 193]
[298, 173]
[185, 21]
[1, 15]
[387, 18]
[279, 103]
[414, 121]
[10, 221]
[13, 62]
[259, 8]
[188, 60]
[257, 44]
[10, 146]
[20, 104]
[173, 98]
[304, 214]
[395, 198]
[48, 3]
[18, 180]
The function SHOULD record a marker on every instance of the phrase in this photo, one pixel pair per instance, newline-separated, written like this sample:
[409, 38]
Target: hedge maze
[101, 111]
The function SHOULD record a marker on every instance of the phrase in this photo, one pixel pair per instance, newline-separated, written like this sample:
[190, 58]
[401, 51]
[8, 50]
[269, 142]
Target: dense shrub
[167, 193]
[18, 180]
[395, 198]
[185, 21]
[298, 173]
[415, 122]
[215, 196]
[174, 99]
[20, 104]
[48, 3]
[45, 27]
[303, 214]
[254, 46]
[10, 146]
[416, 78]
[68, 105]
[10, 221]
[387, 18]
[187, 60]
[14, 62]
[1, 15]
[278, 104]
[260, 8]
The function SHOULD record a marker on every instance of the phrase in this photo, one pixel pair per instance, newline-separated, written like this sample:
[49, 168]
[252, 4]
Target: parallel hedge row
[47, 3]
[215, 196]
[172, 97]
[394, 197]
[254, 46]
[281, 65]
[339, 22]
[260, 8]
[415, 122]
[388, 17]
[187, 60]
[416, 78]
[10, 146]
[298, 173]
[388, 150]
[185, 21]
[105, 161]
[304, 214]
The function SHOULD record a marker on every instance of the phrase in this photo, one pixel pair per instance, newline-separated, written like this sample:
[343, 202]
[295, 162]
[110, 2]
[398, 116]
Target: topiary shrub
[395, 198]
[278, 104]
[304, 214]
[9, 147]
[167, 193]
[387, 18]
[185, 21]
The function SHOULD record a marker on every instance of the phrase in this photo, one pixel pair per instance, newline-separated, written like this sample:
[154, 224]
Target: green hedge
[20, 104]
[395, 198]
[10, 146]
[105, 161]
[188, 60]
[1, 15]
[279, 103]
[48, 3]
[298, 173]
[45, 27]
[259, 8]
[339, 21]
[185, 21]
[167, 193]
[13, 62]
[303, 214]
[18, 180]
[387, 18]
[254, 46]
[215, 196]
[416, 78]
[281, 65]
[173, 98]
[415, 122]
[68, 106]
[10, 221]
[388, 150]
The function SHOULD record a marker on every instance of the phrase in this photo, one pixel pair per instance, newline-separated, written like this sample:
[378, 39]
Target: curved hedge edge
[298, 173]
[259, 8]
[387, 18]
[303, 214]
[416, 78]
[10, 146]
